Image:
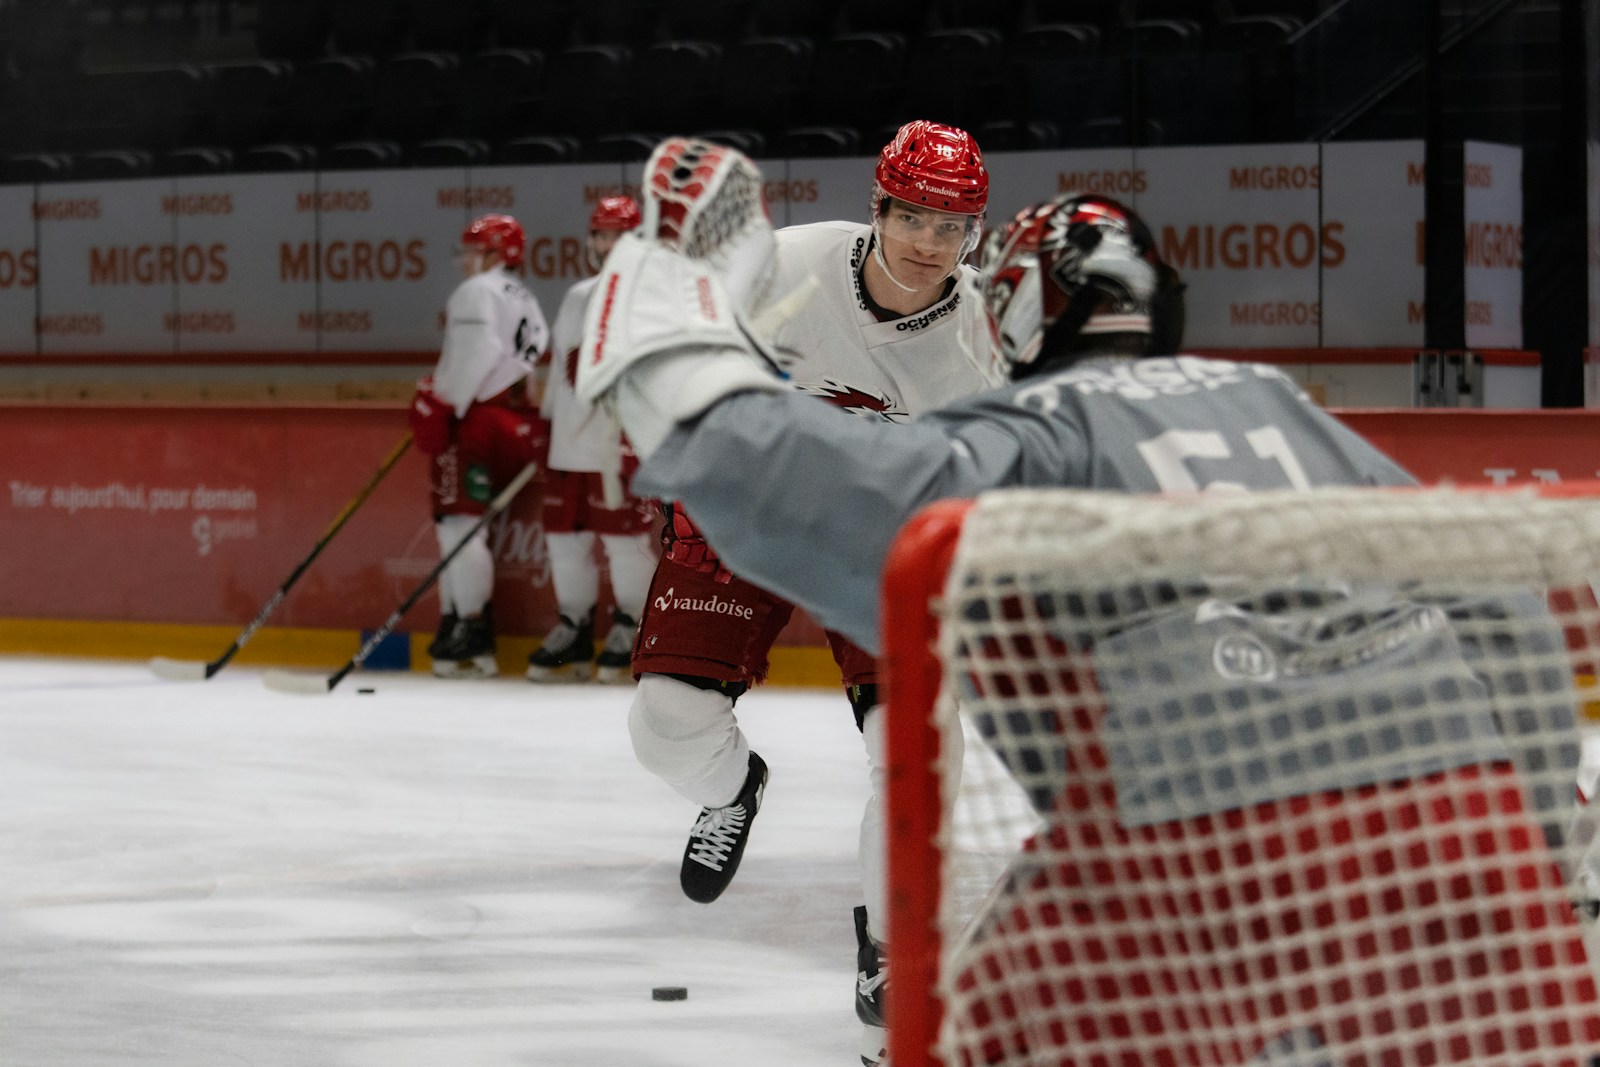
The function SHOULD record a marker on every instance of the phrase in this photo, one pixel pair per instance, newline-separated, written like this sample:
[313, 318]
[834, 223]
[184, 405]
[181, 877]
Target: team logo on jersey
[714, 605]
[856, 401]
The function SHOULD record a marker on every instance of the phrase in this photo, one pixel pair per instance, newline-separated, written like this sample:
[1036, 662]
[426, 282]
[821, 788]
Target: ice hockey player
[586, 498]
[472, 417]
[880, 319]
[1084, 312]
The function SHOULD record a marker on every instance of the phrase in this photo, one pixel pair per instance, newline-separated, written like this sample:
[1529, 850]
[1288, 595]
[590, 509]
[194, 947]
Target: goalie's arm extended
[804, 499]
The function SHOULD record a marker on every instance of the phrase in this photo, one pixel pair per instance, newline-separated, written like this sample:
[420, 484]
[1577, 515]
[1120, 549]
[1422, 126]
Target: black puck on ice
[669, 992]
[366, 692]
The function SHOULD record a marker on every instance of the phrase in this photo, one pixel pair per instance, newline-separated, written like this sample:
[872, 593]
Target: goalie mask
[1074, 274]
[704, 200]
[612, 215]
[496, 233]
[931, 166]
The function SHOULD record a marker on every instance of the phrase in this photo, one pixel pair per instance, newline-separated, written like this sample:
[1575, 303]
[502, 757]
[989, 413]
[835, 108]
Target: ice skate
[567, 653]
[447, 625]
[716, 844]
[615, 662]
[467, 651]
[872, 987]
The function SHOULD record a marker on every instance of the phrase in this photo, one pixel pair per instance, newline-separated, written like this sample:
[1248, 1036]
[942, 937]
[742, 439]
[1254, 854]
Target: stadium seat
[371, 27]
[813, 19]
[537, 149]
[362, 155]
[859, 76]
[1050, 41]
[1252, 33]
[803, 142]
[751, 142]
[293, 29]
[1002, 15]
[112, 163]
[595, 83]
[450, 152]
[415, 96]
[634, 22]
[196, 160]
[1299, 10]
[1143, 37]
[330, 99]
[1106, 15]
[765, 81]
[903, 17]
[152, 108]
[629, 147]
[1220, 115]
[979, 55]
[1115, 131]
[247, 101]
[31, 167]
[276, 157]
[677, 79]
[502, 91]
[723, 21]
[541, 24]
[458, 26]
[1009, 135]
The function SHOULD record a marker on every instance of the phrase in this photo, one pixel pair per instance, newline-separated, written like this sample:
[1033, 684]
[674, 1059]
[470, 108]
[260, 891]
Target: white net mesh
[1283, 780]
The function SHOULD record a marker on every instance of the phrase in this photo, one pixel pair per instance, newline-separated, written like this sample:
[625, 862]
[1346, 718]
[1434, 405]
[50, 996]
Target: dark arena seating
[202, 86]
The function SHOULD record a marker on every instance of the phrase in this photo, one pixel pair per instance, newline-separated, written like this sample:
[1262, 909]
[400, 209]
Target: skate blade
[477, 667]
[874, 1046]
[565, 674]
[614, 675]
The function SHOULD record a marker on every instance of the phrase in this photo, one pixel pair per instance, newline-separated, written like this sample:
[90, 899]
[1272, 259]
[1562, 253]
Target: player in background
[580, 507]
[880, 319]
[473, 419]
[1084, 313]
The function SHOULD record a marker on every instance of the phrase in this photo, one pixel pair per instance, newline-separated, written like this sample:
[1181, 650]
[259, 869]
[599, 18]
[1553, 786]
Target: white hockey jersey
[832, 346]
[493, 332]
[582, 437]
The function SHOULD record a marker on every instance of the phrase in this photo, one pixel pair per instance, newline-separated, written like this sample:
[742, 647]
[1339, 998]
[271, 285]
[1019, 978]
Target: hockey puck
[366, 692]
[669, 992]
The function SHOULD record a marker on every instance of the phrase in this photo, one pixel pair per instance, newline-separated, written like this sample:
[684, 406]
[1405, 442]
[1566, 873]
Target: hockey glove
[432, 421]
[687, 547]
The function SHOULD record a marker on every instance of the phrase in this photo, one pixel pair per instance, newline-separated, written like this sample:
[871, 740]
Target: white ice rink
[462, 874]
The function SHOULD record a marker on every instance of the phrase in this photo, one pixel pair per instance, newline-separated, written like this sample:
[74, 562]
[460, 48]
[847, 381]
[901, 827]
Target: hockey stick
[180, 670]
[296, 682]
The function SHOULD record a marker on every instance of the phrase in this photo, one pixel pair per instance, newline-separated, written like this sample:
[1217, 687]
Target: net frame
[1380, 535]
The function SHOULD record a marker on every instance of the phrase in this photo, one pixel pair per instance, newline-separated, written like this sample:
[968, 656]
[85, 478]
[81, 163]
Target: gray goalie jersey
[805, 499]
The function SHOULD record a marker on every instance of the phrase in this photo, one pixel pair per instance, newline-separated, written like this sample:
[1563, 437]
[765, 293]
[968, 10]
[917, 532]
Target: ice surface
[442, 873]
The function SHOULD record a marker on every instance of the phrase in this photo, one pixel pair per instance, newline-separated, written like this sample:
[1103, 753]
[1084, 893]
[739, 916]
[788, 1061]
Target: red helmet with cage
[934, 166]
[614, 214]
[497, 233]
[1073, 268]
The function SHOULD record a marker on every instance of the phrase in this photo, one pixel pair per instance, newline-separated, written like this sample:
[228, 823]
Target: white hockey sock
[573, 574]
[689, 739]
[874, 837]
[469, 580]
[632, 558]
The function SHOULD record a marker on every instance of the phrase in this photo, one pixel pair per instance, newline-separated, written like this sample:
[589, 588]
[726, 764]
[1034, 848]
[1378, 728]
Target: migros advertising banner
[1282, 246]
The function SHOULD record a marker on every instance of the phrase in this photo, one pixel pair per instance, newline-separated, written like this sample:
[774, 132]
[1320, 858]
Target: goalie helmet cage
[1289, 780]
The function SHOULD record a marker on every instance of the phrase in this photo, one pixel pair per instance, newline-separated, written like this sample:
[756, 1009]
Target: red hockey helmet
[935, 166]
[1076, 267]
[617, 214]
[496, 233]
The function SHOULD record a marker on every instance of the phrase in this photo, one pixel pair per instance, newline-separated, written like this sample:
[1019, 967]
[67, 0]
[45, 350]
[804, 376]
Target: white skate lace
[561, 638]
[715, 833]
[868, 987]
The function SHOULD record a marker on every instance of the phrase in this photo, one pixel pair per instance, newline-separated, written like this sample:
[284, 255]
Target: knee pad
[688, 737]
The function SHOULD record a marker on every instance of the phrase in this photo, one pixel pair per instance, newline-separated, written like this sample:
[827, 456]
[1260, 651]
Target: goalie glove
[666, 332]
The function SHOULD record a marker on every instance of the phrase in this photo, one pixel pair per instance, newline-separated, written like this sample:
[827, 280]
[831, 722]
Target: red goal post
[1285, 779]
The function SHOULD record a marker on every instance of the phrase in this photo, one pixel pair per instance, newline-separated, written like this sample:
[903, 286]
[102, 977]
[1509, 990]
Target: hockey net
[1289, 780]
